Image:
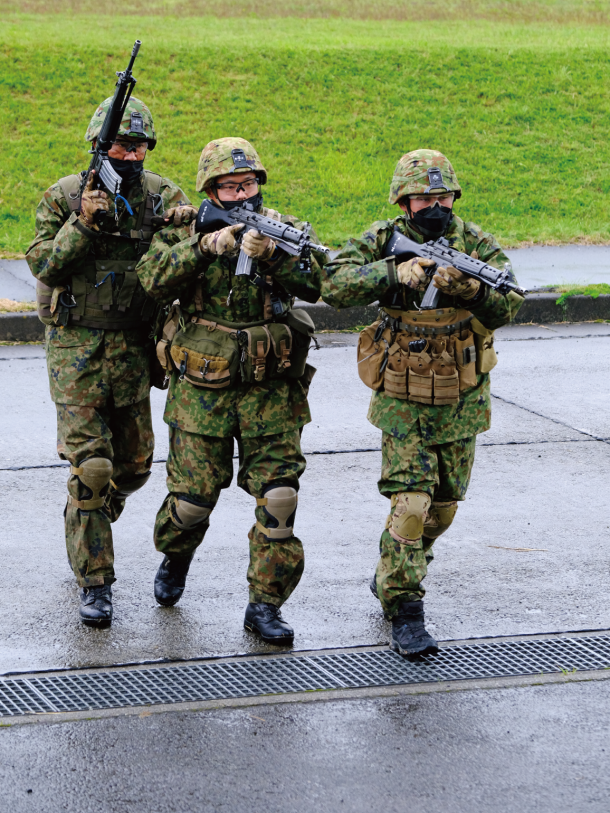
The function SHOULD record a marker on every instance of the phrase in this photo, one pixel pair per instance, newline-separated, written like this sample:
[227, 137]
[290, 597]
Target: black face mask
[129, 171]
[256, 201]
[433, 220]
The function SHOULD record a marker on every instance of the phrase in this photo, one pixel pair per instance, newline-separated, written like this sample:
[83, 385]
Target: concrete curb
[537, 308]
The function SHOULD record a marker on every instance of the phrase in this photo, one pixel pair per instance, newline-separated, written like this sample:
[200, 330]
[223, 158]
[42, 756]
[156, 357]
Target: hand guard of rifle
[293, 241]
[402, 248]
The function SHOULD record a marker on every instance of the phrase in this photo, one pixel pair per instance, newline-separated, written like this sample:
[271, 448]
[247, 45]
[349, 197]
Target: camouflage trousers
[200, 466]
[443, 473]
[123, 435]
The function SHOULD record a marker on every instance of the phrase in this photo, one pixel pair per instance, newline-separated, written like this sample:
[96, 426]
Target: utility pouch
[44, 300]
[255, 343]
[421, 376]
[484, 342]
[163, 358]
[373, 348]
[206, 356]
[446, 388]
[396, 373]
[465, 359]
[303, 328]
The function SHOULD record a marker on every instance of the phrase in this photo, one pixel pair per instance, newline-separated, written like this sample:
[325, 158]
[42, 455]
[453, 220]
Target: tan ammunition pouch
[435, 373]
[105, 294]
[214, 354]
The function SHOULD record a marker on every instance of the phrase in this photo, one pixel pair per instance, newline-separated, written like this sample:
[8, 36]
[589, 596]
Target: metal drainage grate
[221, 680]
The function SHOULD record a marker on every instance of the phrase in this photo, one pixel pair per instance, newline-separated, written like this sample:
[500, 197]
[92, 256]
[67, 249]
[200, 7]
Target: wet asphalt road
[540, 481]
[542, 750]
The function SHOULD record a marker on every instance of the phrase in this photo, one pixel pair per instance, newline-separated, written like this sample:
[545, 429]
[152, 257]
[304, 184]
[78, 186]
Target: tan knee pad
[95, 474]
[440, 516]
[186, 515]
[406, 524]
[280, 504]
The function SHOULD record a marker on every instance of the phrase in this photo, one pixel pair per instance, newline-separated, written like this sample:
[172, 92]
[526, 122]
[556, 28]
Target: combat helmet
[415, 175]
[226, 155]
[137, 122]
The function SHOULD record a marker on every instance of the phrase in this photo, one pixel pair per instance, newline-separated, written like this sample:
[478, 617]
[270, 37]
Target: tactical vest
[428, 357]
[104, 294]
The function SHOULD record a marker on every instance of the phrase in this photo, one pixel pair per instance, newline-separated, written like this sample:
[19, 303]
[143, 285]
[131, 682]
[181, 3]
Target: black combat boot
[267, 621]
[170, 580]
[409, 636]
[96, 605]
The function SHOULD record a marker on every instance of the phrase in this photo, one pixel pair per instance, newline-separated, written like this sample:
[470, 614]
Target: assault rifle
[104, 173]
[440, 252]
[293, 241]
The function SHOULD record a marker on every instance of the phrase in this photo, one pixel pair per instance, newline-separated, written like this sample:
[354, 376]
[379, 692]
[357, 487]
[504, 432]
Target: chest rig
[104, 293]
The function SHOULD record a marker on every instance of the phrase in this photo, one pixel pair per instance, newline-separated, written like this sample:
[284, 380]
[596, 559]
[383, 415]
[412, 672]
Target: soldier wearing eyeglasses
[98, 320]
[238, 373]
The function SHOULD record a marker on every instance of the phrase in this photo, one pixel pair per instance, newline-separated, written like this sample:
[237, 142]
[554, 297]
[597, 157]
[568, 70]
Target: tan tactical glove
[92, 201]
[257, 246]
[451, 281]
[220, 242]
[181, 215]
[411, 273]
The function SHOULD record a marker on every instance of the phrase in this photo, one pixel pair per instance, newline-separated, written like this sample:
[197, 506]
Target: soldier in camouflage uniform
[231, 379]
[430, 375]
[98, 320]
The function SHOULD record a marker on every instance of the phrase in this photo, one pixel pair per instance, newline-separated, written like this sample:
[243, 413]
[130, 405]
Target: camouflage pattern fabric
[170, 271]
[133, 106]
[99, 379]
[411, 175]
[357, 276]
[123, 435]
[62, 243]
[216, 160]
[93, 368]
[200, 466]
[441, 471]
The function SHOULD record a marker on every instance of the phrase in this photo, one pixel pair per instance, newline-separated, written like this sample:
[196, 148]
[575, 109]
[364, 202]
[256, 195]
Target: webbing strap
[435, 331]
[213, 325]
[86, 505]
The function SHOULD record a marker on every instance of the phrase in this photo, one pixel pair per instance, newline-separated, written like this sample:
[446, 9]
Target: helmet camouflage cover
[137, 122]
[414, 175]
[226, 155]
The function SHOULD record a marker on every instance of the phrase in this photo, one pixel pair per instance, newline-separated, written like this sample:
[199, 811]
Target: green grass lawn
[331, 104]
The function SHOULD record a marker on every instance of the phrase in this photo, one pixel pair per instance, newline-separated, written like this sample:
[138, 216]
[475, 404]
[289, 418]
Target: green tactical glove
[411, 273]
[92, 201]
[220, 242]
[181, 215]
[452, 282]
[257, 246]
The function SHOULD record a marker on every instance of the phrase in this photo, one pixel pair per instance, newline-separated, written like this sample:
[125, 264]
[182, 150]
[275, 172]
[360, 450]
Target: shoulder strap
[70, 186]
[152, 205]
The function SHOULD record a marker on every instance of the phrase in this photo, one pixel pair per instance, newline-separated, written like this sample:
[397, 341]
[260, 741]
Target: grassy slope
[331, 105]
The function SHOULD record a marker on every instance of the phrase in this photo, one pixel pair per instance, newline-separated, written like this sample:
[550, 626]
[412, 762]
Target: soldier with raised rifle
[428, 367]
[89, 238]
[236, 357]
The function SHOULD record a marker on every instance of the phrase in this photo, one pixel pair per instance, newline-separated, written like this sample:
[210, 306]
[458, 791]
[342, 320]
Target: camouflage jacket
[85, 365]
[358, 276]
[175, 268]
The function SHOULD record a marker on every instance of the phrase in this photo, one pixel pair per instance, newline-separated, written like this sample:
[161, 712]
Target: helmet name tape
[136, 124]
[435, 180]
[239, 160]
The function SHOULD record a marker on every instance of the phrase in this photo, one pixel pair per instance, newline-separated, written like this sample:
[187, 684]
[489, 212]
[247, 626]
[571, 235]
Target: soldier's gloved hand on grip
[257, 246]
[92, 201]
[220, 242]
[451, 281]
[181, 215]
[411, 273]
